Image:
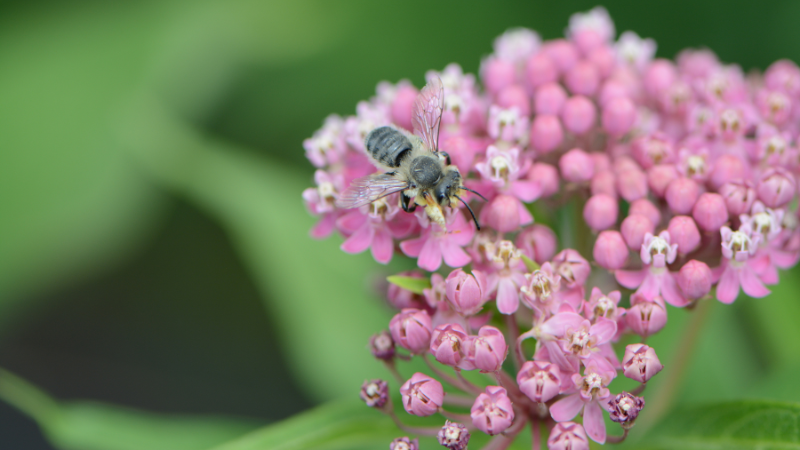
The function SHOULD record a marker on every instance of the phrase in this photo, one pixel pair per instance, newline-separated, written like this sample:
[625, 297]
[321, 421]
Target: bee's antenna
[476, 193]
[477, 225]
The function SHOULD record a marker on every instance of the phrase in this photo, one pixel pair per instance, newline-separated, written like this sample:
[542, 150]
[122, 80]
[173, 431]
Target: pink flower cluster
[685, 172]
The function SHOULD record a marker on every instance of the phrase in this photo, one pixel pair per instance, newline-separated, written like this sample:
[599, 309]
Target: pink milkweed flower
[590, 392]
[321, 201]
[634, 228]
[601, 211]
[580, 338]
[436, 244]
[693, 163]
[653, 149]
[505, 213]
[381, 345]
[576, 166]
[422, 395]
[739, 196]
[773, 147]
[509, 275]
[659, 177]
[681, 195]
[488, 350]
[597, 21]
[683, 231]
[453, 436]
[411, 329]
[546, 133]
[375, 393]
[635, 51]
[449, 345]
[492, 411]
[618, 116]
[770, 255]
[374, 226]
[776, 187]
[695, 279]
[610, 250]
[574, 271]
[625, 408]
[568, 436]
[539, 292]
[508, 125]
[736, 270]
[503, 171]
[710, 211]
[540, 381]
[326, 146]
[640, 363]
[549, 98]
[646, 317]
[466, 293]
[514, 96]
[547, 176]
[537, 242]
[645, 208]
[579, 114]
[516, 45]
[404, 443]
[655, 279]
[601, 305]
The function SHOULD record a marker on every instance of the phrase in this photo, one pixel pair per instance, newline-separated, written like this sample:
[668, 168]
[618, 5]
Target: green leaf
[96, 426]
[530, 264]
[736, 425]
[413, 284]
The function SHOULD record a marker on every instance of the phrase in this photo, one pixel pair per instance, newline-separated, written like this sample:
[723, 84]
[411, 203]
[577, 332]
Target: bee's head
[447, 187]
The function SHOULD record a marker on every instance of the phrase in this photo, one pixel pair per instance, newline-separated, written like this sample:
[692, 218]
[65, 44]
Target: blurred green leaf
[739, 425]
[413, 284]
[96, 426]
[530, 264]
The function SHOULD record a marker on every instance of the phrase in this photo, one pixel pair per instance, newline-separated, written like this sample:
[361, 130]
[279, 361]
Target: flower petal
[382, 246]
[631, 279]
[567, 408]
[358, 241]
[728, 286]
[593, 422]
[507, 296]
[751, 285]
[430, 257]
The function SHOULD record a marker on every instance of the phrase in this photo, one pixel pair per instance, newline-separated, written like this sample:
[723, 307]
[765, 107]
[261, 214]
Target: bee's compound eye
[441, 197]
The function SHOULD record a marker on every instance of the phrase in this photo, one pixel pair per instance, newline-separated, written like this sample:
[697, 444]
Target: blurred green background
[153, 242]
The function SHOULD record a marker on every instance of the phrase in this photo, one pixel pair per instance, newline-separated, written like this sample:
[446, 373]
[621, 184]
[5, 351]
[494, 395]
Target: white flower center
[777, 102]
[740, 242]
[327, 193]
[776, 145]
[658, 246]
[378, 208]
[604, 306]
[540, 285]
[452, 433]
[500, 167]
[696, 165]
[729, 120]
[372, 389]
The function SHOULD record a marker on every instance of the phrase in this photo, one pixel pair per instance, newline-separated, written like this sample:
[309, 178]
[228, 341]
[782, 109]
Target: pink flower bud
[776, 187]
[683, 231]
[634, 228]
[660, 176]
[538, 242]
[411, 329]
[659, 77]
[422, 395]
[640, 362]
[582, 78]
[610, 250]
[539, 380]
[503, 213]
[490, 350]
[546, 133]
[492, 412]
[646, 317]
[448, 345]
[562, 52]
[576, 166]
[604, 182]
[601, 161]
[404, 443]
[694, 279]
[403, 298]
[619, 115]
[453, 436]
[578, 114]
[375, 393]
[739, 196]
[515, 96]
[572, 267]
[497, 74]
[783, 75]
[600, 212]
[549, 99]
[466, 293]
[540, 69]
[710, 211]
[645, 208]
[604, 59]
[547, 176]
[567, 436]
[682, 194]
[726, 168]
[382, 345]
[402, 108]
[624, 408]
[632, 184]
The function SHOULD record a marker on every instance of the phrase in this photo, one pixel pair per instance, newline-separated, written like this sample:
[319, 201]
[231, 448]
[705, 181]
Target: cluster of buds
[691, 149]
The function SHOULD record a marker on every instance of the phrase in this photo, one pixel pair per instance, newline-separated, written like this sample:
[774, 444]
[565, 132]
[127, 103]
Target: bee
[412, 164]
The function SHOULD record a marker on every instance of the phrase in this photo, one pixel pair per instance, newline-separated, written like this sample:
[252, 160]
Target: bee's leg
[407, 203]
[446, 157]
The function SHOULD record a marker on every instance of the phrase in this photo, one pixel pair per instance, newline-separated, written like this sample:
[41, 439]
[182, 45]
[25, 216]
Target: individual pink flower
[488, 349]
[320, 201]
[411, 329]
[327, 145]
[596, 22]
[546, 133]
[610, 250]
[579, 113]
[509, 275]
[449, 345]
[404, 443]
[537, 242]
[505, 213]
[374, 226]
[655, 279]
[375, 393]
[540, 69]
[422, 395]
[539, 292]
[635, 51]
[601, 305]
[514, 96]
[726, 168]
[634, 228]
[591, 391]
[646, 317]
[549, 98]
[540, 381]
[466, 293]
[453, 436]
[503, 170]
[684, 233]
[573, 268]
[640, 362]
[645, 208]
[695, 279]
[618, 116]
[771, 254]
[580, 338]
[436, 244]
[660, 176]
[568, 436]
[601, 211]
[381, 345]
[736, 271]
[625, 408]
[492, 411]
[508, 125]
[739, 196]
[776, 187]
[710, 211]
[576, 166]
[681, 195]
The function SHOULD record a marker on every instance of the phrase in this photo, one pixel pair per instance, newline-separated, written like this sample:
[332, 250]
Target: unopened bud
[422, 395]
[404, 443]
[640, 363]
[646, 317]
[375, 393]
[411, 329]
[382, 345]
[490, 349]
[624, 408]
[610, 250]
[694, 279]
[539, 380]
[568, 436]
[453, 436]
[492, 411]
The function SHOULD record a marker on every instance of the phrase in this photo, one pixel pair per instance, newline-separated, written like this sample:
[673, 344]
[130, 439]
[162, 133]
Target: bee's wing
[363, 191]
[428, 113]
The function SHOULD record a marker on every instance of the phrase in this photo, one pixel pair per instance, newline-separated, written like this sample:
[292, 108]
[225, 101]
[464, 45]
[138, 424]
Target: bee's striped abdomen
[388, 146]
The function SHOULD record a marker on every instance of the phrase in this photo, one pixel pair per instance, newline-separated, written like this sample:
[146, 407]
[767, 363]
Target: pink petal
[593, 422]
[557, 356]
[650, 287]
[759, 263]
[604, 329]
[567, 408]
[507, 296]
[631, 279]
[728, 287]
[751, 285]
[769, 275]
[351, 221]
[382, 246]
[430, 257]
[462, 231]
[525, 216]
[784, 260]
[527, 191]
[413, 247]
[358, 241]
[324, 227]
[558, 324]
[670, 291]
[454, 255]
[400, 227]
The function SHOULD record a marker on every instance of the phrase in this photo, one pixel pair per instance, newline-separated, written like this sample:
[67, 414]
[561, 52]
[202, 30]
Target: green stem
[27, 398]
